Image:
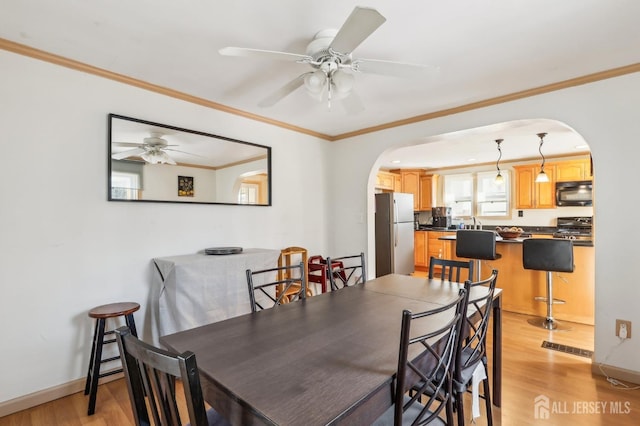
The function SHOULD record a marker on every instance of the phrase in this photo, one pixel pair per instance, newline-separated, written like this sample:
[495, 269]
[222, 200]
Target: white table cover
[197, 289]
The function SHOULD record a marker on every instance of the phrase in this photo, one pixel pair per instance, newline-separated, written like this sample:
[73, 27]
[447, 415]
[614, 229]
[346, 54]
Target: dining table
[329, 359]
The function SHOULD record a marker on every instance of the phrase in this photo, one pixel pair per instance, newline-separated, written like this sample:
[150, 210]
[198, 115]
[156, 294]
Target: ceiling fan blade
[394, 69]
[269, 54]
[183, 152]
[362, 22]
[129, 153]
[133, 144]
[352, 104]
[285, 90]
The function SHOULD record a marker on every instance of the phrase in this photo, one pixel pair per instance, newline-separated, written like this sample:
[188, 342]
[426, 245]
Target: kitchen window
[493, 198]
[458, 194]
[477, 194]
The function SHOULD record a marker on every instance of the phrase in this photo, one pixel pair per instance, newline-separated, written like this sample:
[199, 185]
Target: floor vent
[567, 349]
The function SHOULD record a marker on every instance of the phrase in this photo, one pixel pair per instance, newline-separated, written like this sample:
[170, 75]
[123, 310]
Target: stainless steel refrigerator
[394, 233]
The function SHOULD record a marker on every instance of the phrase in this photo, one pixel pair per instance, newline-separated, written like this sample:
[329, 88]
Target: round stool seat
[112, 310]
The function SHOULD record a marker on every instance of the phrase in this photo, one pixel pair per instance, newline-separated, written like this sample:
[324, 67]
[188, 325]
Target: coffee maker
[441, 217]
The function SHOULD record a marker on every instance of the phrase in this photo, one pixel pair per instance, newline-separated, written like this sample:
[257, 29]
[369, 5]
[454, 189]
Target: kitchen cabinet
[420, 240]
[436, 247]
[529, 193]
[573, 170]
[426, 192]
[411, 184]
[387, 180]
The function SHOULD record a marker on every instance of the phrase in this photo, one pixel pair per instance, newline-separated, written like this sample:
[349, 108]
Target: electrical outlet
[623, 329]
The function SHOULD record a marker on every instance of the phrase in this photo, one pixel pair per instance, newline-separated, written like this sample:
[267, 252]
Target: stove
[574, 228]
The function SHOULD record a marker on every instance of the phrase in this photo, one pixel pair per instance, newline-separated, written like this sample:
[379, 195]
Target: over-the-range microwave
[575, 193]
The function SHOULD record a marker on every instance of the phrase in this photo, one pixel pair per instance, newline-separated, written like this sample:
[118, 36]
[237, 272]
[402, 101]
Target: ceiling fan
[152, 150]
[330, 56]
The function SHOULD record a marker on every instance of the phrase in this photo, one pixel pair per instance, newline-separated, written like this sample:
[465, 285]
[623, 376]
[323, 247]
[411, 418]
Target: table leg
[497, 351]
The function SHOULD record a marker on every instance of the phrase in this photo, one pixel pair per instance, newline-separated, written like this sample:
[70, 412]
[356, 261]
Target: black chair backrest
[451, 270]
[276, 286]
[151, 372]
[473, 344]
[476, 244]
[346, 271]
[428, 373]
[547, 254]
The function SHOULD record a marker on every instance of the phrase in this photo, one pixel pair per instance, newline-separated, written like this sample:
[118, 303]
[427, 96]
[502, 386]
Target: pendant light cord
[499, 141]
[541, 136]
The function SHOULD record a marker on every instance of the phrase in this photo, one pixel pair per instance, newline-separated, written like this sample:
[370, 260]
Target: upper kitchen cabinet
[410, 179]
[426, 192]
[571, 170]
[529, 193]
[388, 181]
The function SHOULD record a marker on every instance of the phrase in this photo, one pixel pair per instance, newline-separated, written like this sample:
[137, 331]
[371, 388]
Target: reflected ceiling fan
[330, 56]
[152, 150]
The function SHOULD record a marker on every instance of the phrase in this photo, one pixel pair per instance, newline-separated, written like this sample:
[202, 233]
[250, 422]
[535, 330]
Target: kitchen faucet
[476, 223]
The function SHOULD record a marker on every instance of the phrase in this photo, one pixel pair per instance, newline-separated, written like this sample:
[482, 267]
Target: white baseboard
[46, 395]
[617, 373]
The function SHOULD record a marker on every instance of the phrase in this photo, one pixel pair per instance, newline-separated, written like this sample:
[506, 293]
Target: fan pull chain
[329, 81]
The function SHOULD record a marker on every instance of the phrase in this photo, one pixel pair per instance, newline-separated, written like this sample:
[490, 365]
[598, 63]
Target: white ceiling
[483, 49]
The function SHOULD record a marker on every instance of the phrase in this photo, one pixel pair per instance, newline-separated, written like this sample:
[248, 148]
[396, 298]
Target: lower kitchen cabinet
[427, 244]
[420, 250]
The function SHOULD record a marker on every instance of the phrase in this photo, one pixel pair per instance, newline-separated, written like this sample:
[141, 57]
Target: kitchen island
[520, 286]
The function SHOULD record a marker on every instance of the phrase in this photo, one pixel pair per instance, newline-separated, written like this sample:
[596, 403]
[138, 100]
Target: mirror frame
[170, 132]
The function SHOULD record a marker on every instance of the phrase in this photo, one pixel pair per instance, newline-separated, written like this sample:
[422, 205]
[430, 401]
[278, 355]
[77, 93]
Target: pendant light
[499, 179]
[542, 176]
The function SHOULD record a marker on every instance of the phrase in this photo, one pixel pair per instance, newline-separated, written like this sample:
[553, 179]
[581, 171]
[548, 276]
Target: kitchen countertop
[576, 243]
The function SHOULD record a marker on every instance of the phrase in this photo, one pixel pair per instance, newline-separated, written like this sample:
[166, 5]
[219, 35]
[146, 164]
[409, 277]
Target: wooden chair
[549, 255]
[428, 373]
[276, 286]
[151, 375]
[347, 271]
[472, 347]
[286, 259]
[450, 270]
[318, 271]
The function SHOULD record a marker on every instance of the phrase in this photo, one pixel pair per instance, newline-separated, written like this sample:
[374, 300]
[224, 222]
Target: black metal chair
[549, 255]
[472, 350]
[151, 375]
[276, 286]
[478, 245]
[450, 270]
[428, 374]
[346, 271]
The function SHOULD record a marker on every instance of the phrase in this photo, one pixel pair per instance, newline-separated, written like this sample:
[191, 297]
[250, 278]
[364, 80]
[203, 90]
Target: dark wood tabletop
[329, 359]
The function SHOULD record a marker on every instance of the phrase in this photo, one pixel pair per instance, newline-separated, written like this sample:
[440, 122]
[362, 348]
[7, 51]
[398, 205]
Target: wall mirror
[160, 163]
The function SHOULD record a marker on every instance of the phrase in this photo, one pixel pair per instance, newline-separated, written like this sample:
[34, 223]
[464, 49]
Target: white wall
[606, 114]
[64, 249]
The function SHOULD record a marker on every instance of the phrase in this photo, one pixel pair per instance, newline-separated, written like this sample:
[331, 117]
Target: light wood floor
[529, 371]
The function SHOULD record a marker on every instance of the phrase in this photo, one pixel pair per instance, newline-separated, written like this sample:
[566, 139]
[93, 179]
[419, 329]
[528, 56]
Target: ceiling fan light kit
[330, 55]
[152, 150]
